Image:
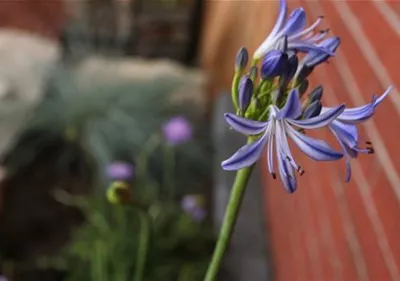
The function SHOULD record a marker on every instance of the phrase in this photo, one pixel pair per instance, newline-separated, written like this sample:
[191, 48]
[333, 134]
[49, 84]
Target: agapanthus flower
[299, 38]
[345, 130]
[177, 130]
[282, 123]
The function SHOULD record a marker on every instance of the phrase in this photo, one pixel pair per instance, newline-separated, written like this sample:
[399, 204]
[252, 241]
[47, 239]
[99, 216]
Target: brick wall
[44, 17]
[330, 230]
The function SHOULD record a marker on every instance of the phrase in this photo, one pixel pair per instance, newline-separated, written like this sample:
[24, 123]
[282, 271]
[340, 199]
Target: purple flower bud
[177, 130]
[313, 110]
[316, 94]
[293, 62]
[120, 171]
[274, 64]
[245, 92]
[242, 58]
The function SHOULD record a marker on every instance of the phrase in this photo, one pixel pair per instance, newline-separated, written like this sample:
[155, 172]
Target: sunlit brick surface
[330, 230]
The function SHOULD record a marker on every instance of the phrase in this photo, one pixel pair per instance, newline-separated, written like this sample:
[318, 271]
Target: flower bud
[245, 92]
[312, 110]
[274, 64]
[316, 94]
[292, 65]
[242, 58]
[305, 71]
[303, 86]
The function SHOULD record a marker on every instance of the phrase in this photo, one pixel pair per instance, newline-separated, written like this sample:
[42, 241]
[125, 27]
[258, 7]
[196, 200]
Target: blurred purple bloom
[177, 130]
[120, 171]
[192, 206]
[3, 278]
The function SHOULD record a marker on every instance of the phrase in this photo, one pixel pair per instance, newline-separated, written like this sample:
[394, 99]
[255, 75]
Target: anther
[368, 142]
[288, 158]
[371, 150]
[321, 17]
[273, 175]
[302, 172]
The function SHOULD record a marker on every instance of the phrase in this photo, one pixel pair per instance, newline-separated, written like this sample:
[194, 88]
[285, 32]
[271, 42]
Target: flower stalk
[229, 222]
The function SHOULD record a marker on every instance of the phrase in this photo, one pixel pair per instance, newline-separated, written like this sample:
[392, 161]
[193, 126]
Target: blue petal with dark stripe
[308, 47]
[346, 133]
[315, 149]
[319, 121]
[287, 174]
[246, 155]
[292, 108]
[295, 23]
[245, 126]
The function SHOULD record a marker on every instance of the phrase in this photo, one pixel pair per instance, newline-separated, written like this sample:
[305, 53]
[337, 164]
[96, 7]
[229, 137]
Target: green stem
[228, 225]
[169, 171]
[143, 246]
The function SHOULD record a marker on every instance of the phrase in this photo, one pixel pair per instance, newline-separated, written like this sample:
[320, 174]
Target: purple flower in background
[3, 278]
[177, 130]
[192, 205]
[120, 171]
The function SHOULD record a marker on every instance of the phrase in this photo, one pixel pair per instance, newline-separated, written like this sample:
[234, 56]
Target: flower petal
[246, 156]
[347, 151]
[286, 174]
[270, 40]
[306, 47]
[245, 126]
[383, 96]
[346, 133]
[281, 18]
[295, 22]
[362, 113]
[315, 149]
[307, 30]
[325, 118]
[292, 107]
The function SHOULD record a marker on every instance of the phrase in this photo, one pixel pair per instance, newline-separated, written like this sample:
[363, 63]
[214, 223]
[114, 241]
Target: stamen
[302, 172]
[273, 175]
[326, 30]
[321, 16]
[368, 142]
[370, 150]
[288, 158]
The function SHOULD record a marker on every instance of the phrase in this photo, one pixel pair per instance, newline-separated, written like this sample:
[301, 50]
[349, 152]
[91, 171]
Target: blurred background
[129, 95]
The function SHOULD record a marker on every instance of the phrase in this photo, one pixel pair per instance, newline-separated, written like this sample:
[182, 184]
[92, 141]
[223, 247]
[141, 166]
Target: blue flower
[345, 130]
[282, 123]
[299, 38]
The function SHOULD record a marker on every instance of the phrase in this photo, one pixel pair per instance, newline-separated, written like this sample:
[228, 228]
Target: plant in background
[275, 107]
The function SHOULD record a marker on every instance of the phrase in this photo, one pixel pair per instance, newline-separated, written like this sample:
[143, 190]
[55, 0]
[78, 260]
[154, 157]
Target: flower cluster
[277, 105]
